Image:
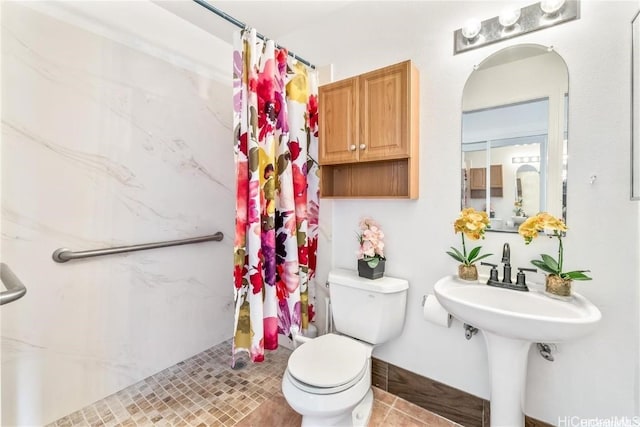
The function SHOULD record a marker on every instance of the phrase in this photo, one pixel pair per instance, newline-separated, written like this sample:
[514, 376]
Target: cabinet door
[477, 178]
[338, 122]
[478, 182]
[384, 113]
[496, 176]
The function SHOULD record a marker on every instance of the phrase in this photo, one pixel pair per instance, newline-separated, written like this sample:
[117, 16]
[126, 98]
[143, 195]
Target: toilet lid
[328, 361]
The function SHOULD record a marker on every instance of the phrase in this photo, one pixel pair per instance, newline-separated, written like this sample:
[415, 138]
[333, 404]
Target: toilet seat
[328, 364]
[311, 389]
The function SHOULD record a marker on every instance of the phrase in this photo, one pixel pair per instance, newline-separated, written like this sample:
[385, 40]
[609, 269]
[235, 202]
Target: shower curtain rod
[242, 25]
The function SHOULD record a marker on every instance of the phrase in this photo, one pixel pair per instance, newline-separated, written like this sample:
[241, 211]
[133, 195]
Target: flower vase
[557, 287]
[468, 272]
[364, 270]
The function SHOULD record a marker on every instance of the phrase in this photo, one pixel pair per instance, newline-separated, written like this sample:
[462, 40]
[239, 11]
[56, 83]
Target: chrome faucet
[506, 282]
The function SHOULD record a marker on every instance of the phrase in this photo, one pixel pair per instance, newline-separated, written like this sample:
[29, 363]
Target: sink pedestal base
[510, 322]
[507, 373]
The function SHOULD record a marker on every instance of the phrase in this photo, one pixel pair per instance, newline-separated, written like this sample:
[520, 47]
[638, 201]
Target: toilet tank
[369, 310]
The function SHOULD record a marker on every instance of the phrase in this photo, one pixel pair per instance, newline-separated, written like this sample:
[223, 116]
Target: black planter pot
[370, 273]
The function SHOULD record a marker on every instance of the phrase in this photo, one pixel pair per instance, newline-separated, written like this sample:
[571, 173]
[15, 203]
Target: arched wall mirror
[514, 136]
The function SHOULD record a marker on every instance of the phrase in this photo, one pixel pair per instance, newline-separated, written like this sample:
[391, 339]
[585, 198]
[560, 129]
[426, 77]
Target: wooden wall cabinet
[369, 134]
[478, 182]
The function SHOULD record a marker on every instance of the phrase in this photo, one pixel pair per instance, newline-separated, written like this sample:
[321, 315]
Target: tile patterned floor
[204, 391]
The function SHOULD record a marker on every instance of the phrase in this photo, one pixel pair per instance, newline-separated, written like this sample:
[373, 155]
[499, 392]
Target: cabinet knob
[363, 146]
[352, 147]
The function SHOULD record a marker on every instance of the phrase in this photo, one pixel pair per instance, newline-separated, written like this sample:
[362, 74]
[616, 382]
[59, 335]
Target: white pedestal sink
[510, 322]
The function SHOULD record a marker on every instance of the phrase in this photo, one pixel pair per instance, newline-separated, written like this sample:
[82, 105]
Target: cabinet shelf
[383, 179]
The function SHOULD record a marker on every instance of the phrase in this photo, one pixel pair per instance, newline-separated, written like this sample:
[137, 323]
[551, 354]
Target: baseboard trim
[446, 401]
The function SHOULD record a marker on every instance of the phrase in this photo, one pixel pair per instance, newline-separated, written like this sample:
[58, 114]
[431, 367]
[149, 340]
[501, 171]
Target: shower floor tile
[204, 391]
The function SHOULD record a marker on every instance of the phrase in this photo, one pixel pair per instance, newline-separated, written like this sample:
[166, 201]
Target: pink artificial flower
[370, 238]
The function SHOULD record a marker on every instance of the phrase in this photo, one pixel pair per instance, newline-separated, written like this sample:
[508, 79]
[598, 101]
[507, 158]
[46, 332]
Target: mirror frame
[564, 138]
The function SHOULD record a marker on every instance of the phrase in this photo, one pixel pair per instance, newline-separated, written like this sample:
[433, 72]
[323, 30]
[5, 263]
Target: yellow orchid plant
[547, 222]
[472, 224]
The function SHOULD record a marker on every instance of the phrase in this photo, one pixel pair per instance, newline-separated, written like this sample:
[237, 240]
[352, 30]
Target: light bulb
[471, 28]
[550, 7]
[509, 16]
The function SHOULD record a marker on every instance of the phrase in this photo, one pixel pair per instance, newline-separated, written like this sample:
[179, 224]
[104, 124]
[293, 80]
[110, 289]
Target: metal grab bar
[15, 288]
[64, 254]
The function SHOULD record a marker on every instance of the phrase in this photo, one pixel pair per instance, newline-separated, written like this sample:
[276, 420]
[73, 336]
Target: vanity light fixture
[525, 159]
[471, 29]
[513, 22]
[509, 17]
[551, 7]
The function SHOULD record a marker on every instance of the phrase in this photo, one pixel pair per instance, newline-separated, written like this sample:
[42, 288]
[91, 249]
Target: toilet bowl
[328, 379]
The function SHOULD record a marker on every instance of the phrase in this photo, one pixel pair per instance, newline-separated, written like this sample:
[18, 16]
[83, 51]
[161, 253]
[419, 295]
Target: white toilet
[328, 379]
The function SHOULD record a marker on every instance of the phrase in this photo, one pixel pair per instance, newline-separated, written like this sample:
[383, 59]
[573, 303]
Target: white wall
[593, 377]
[106, 145]
[89, 328]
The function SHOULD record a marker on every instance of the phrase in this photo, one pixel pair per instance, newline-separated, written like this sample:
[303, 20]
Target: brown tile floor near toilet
[204, 391]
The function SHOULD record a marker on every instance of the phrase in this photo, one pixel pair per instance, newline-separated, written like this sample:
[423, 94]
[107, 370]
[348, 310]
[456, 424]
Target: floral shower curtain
[275, 127]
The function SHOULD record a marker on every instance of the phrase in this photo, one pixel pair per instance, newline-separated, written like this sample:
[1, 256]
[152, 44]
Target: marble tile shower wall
[104, 145]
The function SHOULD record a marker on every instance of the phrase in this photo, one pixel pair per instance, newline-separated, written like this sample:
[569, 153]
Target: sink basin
[530, 316]
[510, 321]
[517, 220]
